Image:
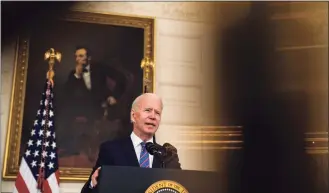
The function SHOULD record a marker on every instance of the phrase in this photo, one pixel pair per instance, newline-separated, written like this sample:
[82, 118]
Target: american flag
[38, 171]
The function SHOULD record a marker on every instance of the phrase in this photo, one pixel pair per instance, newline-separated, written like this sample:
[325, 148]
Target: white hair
[135, 104]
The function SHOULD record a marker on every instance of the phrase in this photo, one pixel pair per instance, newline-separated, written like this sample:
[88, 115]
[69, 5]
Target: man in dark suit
[146, 116]
[86, 95]
[88, 85]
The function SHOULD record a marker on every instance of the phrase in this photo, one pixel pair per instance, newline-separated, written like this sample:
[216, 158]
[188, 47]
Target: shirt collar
[136, 140]
[87, 67]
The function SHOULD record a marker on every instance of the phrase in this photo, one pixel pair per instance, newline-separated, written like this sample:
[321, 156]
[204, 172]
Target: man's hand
[111, 100]
[78, 70]
[94, 176]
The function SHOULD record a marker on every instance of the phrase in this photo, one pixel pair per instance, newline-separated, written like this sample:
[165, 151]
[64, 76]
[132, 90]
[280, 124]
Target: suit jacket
[122, 153]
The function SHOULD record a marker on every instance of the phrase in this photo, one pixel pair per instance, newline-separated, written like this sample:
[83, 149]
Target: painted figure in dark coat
[87, 95]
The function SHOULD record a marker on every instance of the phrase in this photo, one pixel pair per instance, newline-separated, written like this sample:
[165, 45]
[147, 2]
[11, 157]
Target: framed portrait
[120, 61]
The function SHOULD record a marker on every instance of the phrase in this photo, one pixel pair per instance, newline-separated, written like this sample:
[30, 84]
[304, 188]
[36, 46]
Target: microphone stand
[163, 165]
[166, 157]
[161, 159]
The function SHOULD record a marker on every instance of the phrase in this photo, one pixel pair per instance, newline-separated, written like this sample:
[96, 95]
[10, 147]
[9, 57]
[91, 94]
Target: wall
[186, 38]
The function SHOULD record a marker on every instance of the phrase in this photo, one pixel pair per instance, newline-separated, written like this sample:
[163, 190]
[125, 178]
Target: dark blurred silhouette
[273, 122]
[19, 16]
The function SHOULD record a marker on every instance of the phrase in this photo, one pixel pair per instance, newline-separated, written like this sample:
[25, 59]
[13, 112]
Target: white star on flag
[51, 113]
[40, 132]
[36, 153]
[33, 132]
[53, 145]
[46, 144]
[27, 153]
[48, 134]
[34, 163]
[51, 165]
[52, 155]
[38, 143]
[44, 154]
[30, 143]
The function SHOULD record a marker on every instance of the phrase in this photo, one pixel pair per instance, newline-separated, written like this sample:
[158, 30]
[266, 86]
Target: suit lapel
[130, 152]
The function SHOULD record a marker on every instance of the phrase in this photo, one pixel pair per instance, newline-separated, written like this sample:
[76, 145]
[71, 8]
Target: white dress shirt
[86, 77]
[138, 149]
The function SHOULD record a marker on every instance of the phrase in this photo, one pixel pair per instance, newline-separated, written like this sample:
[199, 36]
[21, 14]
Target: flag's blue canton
[41, 148]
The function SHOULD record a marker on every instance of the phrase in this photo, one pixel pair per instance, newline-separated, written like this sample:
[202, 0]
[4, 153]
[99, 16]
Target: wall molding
[185, 11]
[296, 48]
[316, 142]
[291, 15]
[208, 137]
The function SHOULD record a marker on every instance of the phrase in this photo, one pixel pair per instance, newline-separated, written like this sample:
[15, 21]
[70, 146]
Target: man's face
[81, 57]
[147, 116]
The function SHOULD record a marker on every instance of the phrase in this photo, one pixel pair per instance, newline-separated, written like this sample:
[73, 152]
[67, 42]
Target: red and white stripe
[26, 183]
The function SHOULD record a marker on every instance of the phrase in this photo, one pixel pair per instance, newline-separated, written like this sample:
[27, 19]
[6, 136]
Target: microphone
[162, 151]
[170, 149]
[155, 149]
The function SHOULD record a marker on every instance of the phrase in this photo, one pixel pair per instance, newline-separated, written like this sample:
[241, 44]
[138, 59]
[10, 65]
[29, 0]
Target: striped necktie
[144, 161]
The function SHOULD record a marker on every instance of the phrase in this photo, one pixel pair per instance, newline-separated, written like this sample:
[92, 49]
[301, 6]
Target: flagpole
[51, 55]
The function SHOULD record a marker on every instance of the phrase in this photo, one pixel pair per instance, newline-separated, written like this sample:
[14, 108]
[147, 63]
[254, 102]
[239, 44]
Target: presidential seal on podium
[166, 186]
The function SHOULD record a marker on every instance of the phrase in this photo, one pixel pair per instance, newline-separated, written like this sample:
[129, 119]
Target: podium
[120, 179]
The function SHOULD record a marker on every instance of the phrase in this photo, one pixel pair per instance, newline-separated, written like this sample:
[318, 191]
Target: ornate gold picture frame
[15, 123]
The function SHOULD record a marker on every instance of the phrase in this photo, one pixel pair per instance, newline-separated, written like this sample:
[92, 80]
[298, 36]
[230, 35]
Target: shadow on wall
[273, 159]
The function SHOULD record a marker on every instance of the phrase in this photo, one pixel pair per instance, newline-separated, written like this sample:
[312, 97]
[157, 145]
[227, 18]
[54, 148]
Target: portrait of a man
[106, 62]
[95, 83]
